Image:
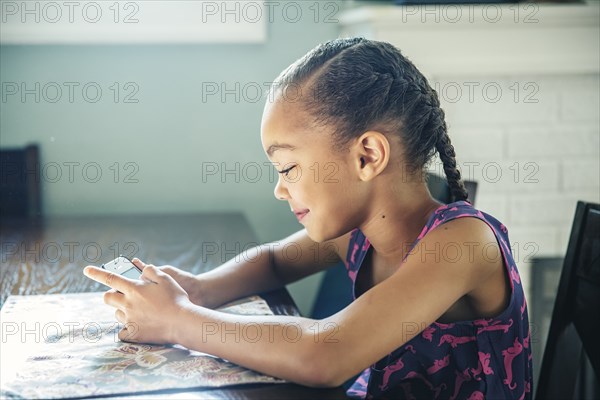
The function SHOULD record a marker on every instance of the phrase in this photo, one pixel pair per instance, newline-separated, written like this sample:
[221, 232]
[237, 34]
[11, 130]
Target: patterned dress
[486, 358]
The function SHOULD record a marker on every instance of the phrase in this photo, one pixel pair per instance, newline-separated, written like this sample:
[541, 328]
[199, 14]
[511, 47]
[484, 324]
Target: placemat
[66, 345]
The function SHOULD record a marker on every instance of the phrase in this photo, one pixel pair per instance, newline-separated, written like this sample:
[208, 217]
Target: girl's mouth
[301, 214]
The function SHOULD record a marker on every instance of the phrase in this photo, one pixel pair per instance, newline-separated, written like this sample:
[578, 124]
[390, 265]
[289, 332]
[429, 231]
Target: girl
[439, 309]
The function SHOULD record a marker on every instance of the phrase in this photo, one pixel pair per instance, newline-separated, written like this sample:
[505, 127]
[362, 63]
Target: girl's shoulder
[443, 214]
[474, 230]
[468, 231]
[458, 209]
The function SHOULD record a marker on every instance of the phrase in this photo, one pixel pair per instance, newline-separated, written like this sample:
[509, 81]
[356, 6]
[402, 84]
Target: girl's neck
[396, 221]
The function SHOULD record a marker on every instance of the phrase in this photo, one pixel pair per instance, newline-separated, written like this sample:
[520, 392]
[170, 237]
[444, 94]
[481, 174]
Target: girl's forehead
[283, 112]
[288, 125]
[283, 122]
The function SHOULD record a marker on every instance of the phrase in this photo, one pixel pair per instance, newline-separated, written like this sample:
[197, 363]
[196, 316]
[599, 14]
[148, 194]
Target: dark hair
[355, 84]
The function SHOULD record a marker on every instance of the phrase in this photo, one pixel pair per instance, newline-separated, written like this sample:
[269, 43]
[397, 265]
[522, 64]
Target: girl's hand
[149, 308]
[189, 282]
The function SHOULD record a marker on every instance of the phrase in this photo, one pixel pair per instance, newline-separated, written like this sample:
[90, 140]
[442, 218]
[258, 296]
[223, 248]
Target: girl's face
[317, 181]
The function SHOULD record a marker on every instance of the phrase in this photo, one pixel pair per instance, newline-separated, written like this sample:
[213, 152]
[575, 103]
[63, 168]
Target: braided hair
[355, 85]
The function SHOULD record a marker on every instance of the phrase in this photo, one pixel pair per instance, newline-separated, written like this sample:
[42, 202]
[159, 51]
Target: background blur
[154, 117]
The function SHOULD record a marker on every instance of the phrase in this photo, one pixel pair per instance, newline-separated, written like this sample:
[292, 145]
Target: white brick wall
[534, 149]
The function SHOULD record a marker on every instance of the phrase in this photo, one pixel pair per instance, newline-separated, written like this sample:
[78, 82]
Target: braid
[446, 151]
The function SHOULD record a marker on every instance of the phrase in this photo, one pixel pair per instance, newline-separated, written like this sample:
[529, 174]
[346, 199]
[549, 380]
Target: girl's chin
[314, 234]
[318, 235]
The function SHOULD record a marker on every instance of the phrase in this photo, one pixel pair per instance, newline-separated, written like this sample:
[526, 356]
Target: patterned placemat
[66, 345]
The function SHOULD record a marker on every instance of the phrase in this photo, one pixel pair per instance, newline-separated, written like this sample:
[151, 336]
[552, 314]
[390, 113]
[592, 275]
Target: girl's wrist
[178, 322]
[199, 295]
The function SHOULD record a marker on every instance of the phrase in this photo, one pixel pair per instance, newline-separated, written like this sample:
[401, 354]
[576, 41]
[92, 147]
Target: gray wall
[170, 136]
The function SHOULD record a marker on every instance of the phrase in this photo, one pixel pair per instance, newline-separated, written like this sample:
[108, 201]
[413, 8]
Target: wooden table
[48, 256]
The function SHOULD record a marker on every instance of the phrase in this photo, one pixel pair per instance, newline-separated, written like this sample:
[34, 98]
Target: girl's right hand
[189, 282]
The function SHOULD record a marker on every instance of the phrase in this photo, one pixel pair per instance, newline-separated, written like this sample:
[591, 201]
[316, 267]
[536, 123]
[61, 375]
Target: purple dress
[486, 358]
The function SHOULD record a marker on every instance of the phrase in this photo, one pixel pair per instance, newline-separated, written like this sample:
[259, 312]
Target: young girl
[439, 310]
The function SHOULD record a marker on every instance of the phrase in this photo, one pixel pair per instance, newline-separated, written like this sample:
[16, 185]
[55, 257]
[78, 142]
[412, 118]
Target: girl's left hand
[149, 308]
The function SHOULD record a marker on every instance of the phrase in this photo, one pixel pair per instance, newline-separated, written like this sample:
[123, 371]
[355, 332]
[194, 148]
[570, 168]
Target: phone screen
[132, 273]
[123, 266]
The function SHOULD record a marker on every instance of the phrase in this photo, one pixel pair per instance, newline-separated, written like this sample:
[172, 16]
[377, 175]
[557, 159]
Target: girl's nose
[281, 192]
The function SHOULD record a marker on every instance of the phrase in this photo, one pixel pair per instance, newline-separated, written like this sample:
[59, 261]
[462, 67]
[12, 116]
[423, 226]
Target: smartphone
[123, 266]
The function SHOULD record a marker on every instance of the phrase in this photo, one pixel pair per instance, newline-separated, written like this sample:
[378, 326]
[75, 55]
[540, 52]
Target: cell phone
[123, 266]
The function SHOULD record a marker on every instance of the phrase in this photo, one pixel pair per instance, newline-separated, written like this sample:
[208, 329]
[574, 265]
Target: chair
[335, 291]
[440, 190]
[20, 183]
[571, 361]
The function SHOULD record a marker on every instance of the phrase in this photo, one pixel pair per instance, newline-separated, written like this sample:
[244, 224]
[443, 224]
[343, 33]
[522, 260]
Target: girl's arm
[263, 268]
[309, 352]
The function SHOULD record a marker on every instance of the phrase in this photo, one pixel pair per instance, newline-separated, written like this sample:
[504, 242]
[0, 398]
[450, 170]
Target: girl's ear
[372, 154]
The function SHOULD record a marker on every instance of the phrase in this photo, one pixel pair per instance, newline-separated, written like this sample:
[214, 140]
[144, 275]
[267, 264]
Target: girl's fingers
[108, 278]
[120, 316]
[151, 273]
[114, 298]
[139, 263]
[126, 335]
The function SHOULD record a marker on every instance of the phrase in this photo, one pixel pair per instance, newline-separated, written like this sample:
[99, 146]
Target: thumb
[169, 270]
[139, 263]
[150, 272]
[156, 275]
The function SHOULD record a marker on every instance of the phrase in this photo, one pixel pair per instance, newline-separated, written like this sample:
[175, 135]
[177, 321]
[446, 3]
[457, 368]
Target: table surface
[48, 255]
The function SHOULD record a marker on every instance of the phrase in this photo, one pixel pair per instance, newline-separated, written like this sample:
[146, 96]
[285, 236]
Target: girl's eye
[287, 170]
